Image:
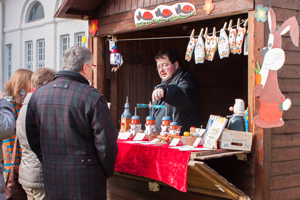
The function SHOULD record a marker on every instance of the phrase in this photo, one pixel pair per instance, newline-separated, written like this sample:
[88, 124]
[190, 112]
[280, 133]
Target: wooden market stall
[272, 169]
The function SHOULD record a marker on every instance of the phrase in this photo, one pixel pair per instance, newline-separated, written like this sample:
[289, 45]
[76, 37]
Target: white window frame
[40, 57]
[29, 55]
[33, 11]
[65, 44]
[78, 39]
[9, 60]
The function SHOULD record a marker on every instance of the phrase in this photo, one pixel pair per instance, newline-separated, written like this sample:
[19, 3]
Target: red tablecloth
[157, 162]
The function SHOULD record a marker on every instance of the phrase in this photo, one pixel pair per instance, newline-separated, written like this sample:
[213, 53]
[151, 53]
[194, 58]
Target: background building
[31, 37]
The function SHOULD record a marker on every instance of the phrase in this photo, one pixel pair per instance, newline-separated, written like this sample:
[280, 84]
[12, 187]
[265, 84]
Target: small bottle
[173, 124]
[237, 121]
[135, 119]
[126, 118]
[166, 120]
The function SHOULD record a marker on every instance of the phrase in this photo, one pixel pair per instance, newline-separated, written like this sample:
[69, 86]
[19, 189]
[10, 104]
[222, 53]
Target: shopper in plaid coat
[69, 127]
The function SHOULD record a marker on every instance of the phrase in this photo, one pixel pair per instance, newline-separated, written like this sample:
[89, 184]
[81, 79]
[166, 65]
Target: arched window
[36, 12]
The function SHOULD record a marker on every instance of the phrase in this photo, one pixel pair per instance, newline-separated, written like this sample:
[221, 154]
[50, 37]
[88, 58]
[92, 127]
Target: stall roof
[77, 9]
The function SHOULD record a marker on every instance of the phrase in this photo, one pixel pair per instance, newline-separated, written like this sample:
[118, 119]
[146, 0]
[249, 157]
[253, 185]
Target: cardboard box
[188, 140]
[236, 140]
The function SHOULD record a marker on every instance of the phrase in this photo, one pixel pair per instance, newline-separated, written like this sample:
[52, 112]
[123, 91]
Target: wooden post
[114, 98]
[99, 61]
[261, 144]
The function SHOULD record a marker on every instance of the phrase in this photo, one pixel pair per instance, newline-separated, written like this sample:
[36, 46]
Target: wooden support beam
[99, 61]
[212, 154]
[221, 183]
[261, 147]
[114, 98]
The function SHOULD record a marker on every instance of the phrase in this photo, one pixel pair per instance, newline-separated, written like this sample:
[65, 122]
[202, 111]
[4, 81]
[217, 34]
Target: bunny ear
[271, 20]
[230, 24]
[291, 25]
[192, 34]
[224, 27]
[206, 29]
[201, 32]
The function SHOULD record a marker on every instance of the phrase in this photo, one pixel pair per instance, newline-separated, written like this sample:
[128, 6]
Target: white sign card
[140, 136]
[176, 142]
[125, 136]
[197, 142]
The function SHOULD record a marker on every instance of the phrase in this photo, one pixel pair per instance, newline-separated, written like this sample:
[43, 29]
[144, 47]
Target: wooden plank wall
[123, 13]
[285, 141]
[112, 7]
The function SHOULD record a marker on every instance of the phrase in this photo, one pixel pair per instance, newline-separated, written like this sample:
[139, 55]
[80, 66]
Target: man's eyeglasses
[163, 66]
[94, 67]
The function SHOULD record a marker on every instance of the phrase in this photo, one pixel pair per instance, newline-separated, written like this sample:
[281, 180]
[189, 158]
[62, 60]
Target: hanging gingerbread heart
[199, 49]
[190, 47]
[210, 45]
[232, 37]
[239, 38]
[223, 43]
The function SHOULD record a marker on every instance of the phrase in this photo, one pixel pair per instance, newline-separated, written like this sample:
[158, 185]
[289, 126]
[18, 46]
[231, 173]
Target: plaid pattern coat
[69, 127]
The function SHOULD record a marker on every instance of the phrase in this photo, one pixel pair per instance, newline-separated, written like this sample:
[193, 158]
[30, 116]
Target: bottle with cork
[174, 127]
[236, 122]
[150, 122]
[125, 118]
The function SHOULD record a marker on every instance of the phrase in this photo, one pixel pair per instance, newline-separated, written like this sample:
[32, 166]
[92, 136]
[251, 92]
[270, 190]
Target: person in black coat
[70, 129]
[178, 91]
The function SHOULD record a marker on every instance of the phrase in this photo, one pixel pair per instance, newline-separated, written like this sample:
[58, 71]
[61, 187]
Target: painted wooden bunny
[272, 102]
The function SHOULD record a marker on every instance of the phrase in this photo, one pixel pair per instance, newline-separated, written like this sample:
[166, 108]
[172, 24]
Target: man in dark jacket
[70, 129]
[178, 91]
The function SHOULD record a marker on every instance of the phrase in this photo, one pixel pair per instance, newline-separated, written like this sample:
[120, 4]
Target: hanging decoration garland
[224, 44]
[163, 13]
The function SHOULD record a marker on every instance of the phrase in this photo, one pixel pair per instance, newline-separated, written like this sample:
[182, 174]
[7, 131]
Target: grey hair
[75, 57]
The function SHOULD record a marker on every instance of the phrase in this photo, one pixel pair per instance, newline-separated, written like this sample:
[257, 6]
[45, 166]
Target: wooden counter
[202, 182]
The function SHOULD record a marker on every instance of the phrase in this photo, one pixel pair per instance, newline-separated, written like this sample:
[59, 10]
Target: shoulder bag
[13, 189]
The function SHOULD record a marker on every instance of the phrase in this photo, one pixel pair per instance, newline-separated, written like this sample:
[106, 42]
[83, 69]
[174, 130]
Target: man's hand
[158, 94]
[1, 96]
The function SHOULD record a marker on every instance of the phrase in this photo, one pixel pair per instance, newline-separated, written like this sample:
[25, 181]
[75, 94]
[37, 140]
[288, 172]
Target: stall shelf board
[220, 182]
[217, 153]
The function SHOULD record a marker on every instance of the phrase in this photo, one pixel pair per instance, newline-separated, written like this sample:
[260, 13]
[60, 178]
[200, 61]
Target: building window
[40, 53]
[78, 38]
[36, 12]
[65, 44]
[28, 54]
[9, 61]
